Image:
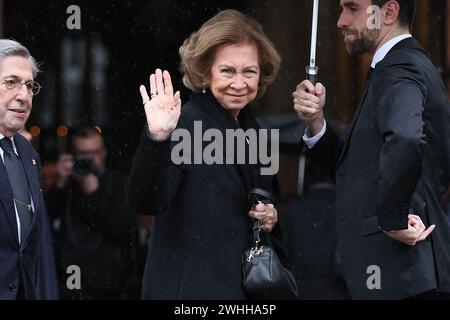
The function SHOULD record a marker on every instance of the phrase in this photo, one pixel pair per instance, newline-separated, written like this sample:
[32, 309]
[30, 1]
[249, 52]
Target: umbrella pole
[312, 70]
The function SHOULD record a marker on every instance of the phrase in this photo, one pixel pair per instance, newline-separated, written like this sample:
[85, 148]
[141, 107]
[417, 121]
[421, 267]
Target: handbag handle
[256, 231]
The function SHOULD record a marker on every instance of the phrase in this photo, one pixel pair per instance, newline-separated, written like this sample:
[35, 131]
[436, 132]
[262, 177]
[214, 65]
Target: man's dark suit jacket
[31, 261]
[395, 161]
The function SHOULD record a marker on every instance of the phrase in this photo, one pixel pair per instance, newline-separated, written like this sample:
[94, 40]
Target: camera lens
[82, 167]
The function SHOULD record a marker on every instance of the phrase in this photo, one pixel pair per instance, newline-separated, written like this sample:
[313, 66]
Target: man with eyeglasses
[27, 269]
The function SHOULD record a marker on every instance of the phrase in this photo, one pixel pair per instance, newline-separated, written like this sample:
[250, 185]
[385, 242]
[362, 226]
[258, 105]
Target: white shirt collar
[385, 48]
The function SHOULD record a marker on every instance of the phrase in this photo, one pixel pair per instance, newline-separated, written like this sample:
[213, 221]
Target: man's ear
[390, 12]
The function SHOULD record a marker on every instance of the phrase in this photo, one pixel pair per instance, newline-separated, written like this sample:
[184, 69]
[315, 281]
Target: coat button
[12, 287]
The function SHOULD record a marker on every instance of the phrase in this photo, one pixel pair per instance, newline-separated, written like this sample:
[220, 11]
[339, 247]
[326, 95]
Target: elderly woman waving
[202, 218]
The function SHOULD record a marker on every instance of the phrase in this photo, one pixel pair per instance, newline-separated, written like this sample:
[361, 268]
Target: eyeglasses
[33, 87]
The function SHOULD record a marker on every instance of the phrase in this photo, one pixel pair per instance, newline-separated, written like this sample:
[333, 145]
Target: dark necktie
[19, 185]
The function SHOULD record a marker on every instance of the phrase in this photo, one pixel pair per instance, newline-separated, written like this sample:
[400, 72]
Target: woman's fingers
[266, 221]
[260, 207]
[252, 214]
[144, 94]
[159, 82]
[264, 213]
[268, 225]
[177, 100]
[168, 88]
[153, 89]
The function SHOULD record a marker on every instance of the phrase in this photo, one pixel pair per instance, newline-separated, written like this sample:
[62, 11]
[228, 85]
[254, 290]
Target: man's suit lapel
[30, 167]
[355, 118]
[6, 198]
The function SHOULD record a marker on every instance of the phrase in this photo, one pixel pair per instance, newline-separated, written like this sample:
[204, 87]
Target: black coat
[395, 161]
[33, 259]
[201, 227]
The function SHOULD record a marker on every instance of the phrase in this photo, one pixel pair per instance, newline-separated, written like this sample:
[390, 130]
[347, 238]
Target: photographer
[93, 224]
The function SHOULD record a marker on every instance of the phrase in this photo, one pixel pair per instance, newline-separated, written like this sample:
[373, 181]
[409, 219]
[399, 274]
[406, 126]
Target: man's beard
[365, 42]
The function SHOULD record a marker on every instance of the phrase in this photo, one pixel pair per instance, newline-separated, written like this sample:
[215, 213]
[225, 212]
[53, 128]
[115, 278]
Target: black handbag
[264, 276]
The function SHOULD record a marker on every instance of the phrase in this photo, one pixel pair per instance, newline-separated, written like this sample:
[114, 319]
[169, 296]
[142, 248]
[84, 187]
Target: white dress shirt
[31, 198]
[379, 55]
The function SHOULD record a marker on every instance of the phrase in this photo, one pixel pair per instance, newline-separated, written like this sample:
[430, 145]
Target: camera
[83, 167]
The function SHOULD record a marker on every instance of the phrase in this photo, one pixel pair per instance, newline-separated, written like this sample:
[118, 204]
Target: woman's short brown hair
[225, 28]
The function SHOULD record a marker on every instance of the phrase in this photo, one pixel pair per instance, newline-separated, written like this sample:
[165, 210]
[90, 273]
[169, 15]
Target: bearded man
[394, 166]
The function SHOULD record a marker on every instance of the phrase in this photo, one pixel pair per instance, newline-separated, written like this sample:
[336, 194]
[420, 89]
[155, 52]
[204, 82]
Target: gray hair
[9, 48]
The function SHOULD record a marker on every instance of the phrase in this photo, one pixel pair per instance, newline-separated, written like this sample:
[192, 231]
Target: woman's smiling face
[235, 76]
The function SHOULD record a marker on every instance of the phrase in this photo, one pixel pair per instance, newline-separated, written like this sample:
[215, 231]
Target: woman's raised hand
[163, 107]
